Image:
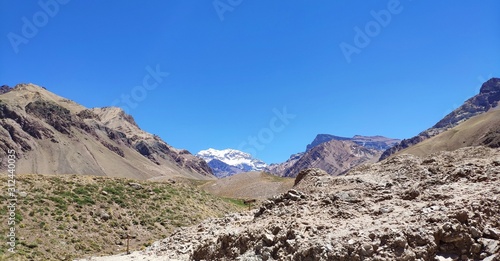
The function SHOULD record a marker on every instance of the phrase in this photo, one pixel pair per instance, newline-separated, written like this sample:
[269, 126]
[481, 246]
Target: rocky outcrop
[5, 89]
[488, 97]
[406, 208]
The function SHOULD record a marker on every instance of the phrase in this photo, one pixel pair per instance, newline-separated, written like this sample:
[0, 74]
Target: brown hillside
[483, 129]
[249, 185]
[53, 135]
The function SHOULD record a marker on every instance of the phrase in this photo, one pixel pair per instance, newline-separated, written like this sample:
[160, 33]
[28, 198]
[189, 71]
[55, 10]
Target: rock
[386, 209]
[490, 246]
[308, 173]
[461, 216]
[104, 215]
[268, 239]
[494, 257]
[366, 250]
[135, 185]
[492, 233]
[475, 248]
[410, 194]
[475, 232]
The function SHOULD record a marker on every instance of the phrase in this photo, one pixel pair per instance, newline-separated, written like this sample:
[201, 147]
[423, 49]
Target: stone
[475, 248]
[366, 250]
[490, 246]
[475, 232]
[136, 186]
[104, 215]
[492, 233]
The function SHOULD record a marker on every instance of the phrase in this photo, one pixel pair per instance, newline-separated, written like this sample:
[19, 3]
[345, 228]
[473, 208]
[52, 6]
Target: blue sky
[234, 66]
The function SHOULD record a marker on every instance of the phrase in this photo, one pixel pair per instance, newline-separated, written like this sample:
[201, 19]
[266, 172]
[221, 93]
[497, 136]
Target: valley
[88, 179]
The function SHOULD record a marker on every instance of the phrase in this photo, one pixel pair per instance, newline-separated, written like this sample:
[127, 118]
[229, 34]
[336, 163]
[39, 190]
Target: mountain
[54, 135]
[370, 142]
[235, 162]
[222, 169]
[480, 130]
[334, 156]
[280, 168]
[488, 97]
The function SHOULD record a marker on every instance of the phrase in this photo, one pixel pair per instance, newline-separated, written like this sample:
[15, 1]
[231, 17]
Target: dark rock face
[222, 169]
[370, 142]
[488, 98]
[55, 115]
[5, 89]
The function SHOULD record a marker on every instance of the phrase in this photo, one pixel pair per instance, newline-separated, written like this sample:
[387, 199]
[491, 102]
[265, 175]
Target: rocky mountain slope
[330, 153]
[488, 97]
[279, 169]
[53, 135]
[441, 207]
[334, 157]
[230, 162]
[370, 142]
[483, 129]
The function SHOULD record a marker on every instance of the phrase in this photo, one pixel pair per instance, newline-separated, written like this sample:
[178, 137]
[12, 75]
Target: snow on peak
[234, 158]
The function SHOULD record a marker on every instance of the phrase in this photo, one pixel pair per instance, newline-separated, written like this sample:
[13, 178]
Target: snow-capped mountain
[229, 162]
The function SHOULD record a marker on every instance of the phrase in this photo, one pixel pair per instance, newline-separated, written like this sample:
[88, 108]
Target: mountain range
[229, 162]
[331, 153]
[334, 154]
[54, 135]
[433, 197]
[369, 142]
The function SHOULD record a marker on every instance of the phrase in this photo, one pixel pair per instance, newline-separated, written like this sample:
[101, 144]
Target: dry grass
[250, 185]
[472, 132]
[62, 217]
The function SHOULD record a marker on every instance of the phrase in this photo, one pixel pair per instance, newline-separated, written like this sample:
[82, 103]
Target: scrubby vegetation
[64, 217]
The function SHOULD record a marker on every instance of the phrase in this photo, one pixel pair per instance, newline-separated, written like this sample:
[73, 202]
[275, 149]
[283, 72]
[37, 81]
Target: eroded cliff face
[53, 135]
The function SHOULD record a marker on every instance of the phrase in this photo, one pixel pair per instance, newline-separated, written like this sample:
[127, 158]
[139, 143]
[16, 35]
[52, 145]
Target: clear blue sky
[226, 76]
